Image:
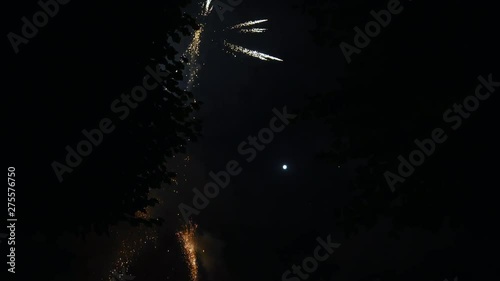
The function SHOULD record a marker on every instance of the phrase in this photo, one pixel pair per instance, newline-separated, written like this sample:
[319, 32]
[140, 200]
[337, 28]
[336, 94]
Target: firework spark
[193, 53]
[187, 239]
[131, 245]
[207, 9]
[248, 23]
[253, 30]
[252, 53]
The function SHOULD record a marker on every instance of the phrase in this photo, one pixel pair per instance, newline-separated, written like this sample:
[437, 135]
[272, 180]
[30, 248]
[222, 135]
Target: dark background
[395, 91]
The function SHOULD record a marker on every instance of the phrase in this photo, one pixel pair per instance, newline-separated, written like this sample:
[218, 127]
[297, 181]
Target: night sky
[352, 122]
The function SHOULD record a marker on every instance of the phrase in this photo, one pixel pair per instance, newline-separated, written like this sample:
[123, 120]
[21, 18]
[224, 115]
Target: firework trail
[248, 23]
[207, 8]
[239, 49]
[187, 239]
[193, 53]
[252, 53]
[253, 30]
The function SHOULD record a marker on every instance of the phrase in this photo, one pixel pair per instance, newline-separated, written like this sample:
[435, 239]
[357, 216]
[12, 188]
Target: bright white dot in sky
[285, 167]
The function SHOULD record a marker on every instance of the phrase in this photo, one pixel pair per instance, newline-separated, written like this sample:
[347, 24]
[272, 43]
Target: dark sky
[237, 107]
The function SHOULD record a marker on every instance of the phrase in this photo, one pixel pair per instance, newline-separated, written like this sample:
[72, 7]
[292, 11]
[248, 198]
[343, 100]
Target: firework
[193, 53]
[253, 30]
[193, 50]
[252, 53]
[248, 23]
[187, 239]
[207, 8]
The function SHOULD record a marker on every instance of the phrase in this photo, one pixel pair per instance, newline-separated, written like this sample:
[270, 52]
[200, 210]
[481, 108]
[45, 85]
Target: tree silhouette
[89, 56]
